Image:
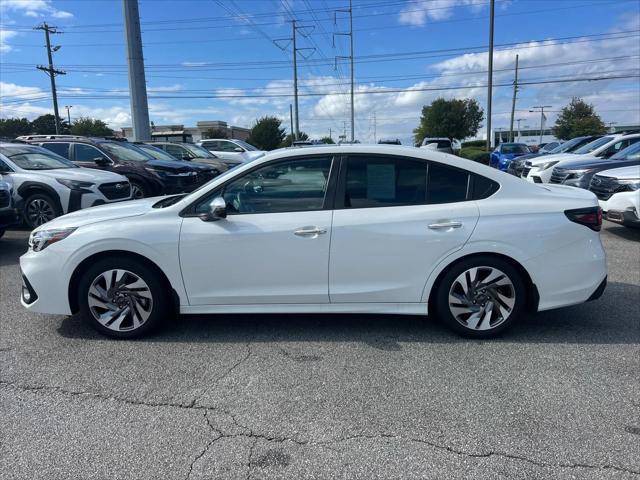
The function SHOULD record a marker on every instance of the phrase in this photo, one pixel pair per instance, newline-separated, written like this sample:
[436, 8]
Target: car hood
[559, 157]
[596, 163]
[529, 156]
[113, 211]
[170, 166]
[92, 175]
[624, 173]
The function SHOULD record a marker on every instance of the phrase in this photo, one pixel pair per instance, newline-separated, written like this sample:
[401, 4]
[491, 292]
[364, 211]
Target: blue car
[505, 152]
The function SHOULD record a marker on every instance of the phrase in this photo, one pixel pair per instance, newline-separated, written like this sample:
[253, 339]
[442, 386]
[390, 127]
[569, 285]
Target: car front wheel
[39, 209]
[123, 298]
[480, 297]
[138, 190]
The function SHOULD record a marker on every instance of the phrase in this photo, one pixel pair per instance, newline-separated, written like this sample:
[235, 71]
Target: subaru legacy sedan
[332, 229]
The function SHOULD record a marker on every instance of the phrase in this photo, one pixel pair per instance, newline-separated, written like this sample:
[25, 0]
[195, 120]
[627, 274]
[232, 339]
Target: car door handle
[309, 231]
[445, 225]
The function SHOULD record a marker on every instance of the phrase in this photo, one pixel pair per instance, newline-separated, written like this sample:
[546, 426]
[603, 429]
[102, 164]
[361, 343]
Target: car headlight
[581, 173]
[631, 184]
[546, 165]
[41, 239]
[74, 184]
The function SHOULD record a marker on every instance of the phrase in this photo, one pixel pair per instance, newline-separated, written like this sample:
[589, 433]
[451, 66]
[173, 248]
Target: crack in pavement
[280, 439]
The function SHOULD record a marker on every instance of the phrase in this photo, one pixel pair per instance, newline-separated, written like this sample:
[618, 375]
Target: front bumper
[46, 280]
[624, 217]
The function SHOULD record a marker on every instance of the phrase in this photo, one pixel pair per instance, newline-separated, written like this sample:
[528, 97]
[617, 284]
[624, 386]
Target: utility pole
[542, 117]
[291, 122]
[68, 107]
[137, 82]
[330, 134]
[490, 79]
[295, 78]
[350, 57]
[375, 138]
[52, 72]
[513, 103]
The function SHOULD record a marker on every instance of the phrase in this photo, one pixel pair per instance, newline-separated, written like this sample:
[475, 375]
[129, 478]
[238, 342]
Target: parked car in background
[190, 152]
[547, 147]
[618, 191]
[45, 185]
[204, 169]
[148, 177]
[9, 215]
[504, 153]
[231, 151]
[439, 144]
[539, 170]
[309, 230]
[389, 141]
[517, 165]
[578, 173]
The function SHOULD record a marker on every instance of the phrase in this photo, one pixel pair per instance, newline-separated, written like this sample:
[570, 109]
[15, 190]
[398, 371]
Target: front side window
[385, 182]
[287, 186]
[228, 147]
[60, 148]
[247, 146]
[86, 153]
[591, 146]
[177, 151]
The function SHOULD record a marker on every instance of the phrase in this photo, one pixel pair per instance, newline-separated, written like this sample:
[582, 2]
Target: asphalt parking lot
[299, 396]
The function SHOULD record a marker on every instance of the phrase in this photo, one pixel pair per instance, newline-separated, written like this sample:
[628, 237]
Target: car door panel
[386, 254]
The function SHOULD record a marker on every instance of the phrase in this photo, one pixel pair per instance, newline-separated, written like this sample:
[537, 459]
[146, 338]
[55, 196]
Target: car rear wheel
[480, 297]
[123, 298]
[39, 209]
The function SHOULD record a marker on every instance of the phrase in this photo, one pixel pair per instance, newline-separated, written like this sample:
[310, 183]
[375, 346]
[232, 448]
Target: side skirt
[373, 308]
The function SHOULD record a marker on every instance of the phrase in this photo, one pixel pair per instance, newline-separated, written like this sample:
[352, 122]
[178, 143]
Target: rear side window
[446, 184]
[385, 182]
[60, 148]
[482, 187]
[86, 153]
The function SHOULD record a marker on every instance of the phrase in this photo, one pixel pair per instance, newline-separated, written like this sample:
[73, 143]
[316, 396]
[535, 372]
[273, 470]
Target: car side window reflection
[289, 186]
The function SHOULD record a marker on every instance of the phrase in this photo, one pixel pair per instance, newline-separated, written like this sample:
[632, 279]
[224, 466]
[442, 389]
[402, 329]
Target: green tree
[14, 127]
[215, 133]
[327, 140]
[267, 133]
[89, 127]
[577, 119]
[46, 125]
[449, 118]
[287, 142]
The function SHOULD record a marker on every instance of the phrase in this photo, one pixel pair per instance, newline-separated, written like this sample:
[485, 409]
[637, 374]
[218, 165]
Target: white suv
[539, 170]
[47, 185]
[618, 191]
[230, 150]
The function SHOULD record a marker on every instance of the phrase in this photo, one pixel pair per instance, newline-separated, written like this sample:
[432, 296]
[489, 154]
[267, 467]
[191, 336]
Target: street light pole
[68, 107]
[542, 117]
[490, 70]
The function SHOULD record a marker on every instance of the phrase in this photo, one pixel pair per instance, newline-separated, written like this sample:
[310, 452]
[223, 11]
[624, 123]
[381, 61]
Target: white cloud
[5, 36]
[418, 13]
[33, 8]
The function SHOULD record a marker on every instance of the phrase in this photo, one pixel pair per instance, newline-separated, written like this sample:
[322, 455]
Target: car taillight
[589, 217]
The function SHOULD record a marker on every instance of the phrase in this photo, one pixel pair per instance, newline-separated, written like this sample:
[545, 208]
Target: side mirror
[238, 150]
[217, 210]
[102, 161]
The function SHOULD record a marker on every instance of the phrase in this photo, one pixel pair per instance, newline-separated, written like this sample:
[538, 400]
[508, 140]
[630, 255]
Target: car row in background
[505, 153]
[618, 191]
[231, 151]
[46, 185]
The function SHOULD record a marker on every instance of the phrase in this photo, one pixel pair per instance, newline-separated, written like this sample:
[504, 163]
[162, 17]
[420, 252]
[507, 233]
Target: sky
[231, 60]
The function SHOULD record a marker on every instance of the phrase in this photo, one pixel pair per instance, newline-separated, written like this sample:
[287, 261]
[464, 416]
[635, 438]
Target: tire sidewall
[151, 278]
[442, 295]
[41, 196]
[141, 186]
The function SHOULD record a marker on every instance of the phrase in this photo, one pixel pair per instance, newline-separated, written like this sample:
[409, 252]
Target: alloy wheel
[482, 298]
[39, 211]
[120, 300]
[136, 191]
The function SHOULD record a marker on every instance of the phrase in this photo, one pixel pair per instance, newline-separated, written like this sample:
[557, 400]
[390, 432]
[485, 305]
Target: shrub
[474, 143]
[476, 154]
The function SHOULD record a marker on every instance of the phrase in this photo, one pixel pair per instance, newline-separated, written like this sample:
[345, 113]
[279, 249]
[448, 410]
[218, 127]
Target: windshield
[632, 152]
[35, 158]
[566, 146]
[126, 151]
[198, 151]
[156, 152]
[515, 148]
[246, 146]
[591, 146]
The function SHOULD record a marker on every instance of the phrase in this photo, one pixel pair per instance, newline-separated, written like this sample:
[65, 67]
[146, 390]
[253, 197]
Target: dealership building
[180, 133]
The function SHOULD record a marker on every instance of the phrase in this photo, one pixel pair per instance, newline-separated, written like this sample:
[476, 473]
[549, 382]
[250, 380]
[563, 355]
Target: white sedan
[332, 229]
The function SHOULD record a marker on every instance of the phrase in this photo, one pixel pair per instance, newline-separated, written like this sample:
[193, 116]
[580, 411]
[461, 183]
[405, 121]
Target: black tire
[446, 283]
[39, 202]
[159, 308]
[138, 186]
